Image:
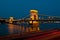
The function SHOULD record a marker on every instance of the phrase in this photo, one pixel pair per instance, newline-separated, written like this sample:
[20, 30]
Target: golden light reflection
[18, 29]
[10, 28]
[14, 28]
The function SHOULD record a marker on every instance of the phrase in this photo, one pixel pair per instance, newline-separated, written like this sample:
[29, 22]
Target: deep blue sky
[20, 8]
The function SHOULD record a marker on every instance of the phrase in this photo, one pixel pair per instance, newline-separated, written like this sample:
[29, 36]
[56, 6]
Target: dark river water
[6, 29]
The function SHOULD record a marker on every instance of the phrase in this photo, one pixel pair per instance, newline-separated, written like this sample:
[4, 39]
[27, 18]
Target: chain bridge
[34, 16]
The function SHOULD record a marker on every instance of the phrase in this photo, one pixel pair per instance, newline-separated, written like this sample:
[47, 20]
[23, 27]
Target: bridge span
[32, 17]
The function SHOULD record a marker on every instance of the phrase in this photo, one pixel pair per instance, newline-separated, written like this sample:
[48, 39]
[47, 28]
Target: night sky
[21, 8]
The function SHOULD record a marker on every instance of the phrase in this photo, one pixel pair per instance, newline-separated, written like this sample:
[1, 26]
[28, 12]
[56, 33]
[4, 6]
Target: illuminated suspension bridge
[34, 19]
[33, 16]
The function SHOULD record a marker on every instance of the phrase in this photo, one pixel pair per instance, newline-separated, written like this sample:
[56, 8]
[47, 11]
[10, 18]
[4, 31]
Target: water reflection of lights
[17, 28]
[13, 28]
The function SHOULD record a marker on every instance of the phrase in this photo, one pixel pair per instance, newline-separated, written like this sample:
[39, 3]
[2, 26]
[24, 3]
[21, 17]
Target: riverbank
[40, 35]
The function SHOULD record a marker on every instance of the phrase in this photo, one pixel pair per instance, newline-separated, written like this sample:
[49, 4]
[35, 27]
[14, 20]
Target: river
[6, 29]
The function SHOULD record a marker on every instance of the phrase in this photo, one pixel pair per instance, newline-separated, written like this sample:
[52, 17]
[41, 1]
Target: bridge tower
[11, 19]
[34, 16]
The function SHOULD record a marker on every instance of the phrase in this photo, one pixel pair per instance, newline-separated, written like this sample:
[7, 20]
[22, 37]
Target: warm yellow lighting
[30, 22]
[34, 15]
[11, 17]
[10, 28]
[33, 11]
[11, 20]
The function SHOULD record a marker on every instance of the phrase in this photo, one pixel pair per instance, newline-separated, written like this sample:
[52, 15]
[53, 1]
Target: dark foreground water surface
[6, 29]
